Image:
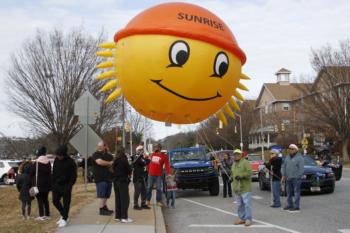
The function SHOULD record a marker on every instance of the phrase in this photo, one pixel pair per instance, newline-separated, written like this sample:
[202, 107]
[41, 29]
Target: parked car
[255, 161]
[8, 171]
[315, 178]
[194, 170]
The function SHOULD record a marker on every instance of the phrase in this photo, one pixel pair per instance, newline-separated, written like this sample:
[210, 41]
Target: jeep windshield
[308, 161]
[182, 156]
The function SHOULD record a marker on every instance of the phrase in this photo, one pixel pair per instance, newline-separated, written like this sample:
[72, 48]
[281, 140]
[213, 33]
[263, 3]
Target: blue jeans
[293, 192]
[276, 191]
[150, 182]
[170, 195]
[244, 202]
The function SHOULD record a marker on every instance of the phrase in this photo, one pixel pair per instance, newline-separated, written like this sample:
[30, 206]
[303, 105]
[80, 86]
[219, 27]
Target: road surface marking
[230, 226]
[229, 213]
[344, 230]
[257, 197]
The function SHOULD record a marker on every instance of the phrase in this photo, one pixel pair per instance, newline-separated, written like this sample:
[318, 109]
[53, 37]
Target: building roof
[286, 93]
[283, 71]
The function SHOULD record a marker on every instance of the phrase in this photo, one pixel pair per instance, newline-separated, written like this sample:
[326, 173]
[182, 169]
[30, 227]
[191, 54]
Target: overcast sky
[273, 34]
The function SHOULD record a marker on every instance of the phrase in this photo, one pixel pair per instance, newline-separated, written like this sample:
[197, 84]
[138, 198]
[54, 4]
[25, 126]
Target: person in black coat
[64, 176]
[139, 178]
[274, 165]
[43, 183]
[23, 184]
[121, 179]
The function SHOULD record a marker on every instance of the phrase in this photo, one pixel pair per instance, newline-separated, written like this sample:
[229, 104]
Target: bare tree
[46, 77]
[328, 100]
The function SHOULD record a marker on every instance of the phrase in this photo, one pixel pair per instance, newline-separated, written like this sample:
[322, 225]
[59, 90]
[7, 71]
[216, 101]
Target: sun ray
[105, 53]
[107, 45]
[238, 95]
[107, 74]
[105, 64]
[234, 105]
[242, 87]
[111, 84]
[114, 95]
[244, 76]
[229, 111]
[221, 117]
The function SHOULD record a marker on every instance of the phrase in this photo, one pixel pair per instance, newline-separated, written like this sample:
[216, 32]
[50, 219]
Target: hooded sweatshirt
[24, 183]
[158, 160]
[44, 174]
[64, 174]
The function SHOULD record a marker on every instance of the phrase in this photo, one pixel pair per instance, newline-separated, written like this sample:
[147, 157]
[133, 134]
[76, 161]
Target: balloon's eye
[178, 53]
[220, 65]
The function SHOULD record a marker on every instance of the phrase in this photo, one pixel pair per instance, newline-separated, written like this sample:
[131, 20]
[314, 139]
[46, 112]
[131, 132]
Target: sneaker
[146, 207]
[159, 204]
[248, 223]
[287, 208]
[47, 217]
[136, 207]
[148, 203]
[63, 223]
[173, 207]
[294, 210]
[106, 208]
[239, 222]
[39, 219]
[59, 220]
[275, 206]
[117, 219]
[129, 220]
[105, 212]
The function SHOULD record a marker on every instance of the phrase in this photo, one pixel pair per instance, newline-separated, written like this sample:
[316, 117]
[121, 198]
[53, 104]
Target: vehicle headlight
[331, 174]
[303, 177]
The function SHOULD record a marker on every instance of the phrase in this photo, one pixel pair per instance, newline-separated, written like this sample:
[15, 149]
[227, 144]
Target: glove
[230, 180]
[238, 178]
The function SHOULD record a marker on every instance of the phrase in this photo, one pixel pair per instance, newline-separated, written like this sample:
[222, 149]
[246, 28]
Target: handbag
[33, 191]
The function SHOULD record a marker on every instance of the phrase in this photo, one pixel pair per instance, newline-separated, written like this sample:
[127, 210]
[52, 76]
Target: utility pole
[240, 130]
[261, 135]
[123, 123]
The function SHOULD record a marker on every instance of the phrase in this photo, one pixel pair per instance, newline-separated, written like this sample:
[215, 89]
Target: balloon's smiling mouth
[158, 82]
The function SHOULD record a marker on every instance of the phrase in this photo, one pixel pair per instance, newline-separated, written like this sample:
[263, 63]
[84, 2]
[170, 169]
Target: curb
[159, 220]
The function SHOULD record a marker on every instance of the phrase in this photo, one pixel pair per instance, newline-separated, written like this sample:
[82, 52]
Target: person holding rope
[225, 169]
[242, 186]
[274, 165]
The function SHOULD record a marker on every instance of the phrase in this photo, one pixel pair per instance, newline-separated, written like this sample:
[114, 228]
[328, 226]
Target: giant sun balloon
[177, 63]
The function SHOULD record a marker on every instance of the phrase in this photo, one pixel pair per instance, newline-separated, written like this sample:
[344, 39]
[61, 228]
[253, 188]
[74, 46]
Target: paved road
[197, 212]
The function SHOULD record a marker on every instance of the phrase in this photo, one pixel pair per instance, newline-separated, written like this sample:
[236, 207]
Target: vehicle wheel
[5, 180]
[262, 185]
[330, 190]
[214, 188]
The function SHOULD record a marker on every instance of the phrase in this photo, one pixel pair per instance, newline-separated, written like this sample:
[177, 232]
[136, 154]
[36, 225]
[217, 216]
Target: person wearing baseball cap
[292, 172]
[274, 166]
[242, 186]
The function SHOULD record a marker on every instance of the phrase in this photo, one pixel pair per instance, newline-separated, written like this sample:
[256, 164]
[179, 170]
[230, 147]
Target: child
[171, 189]
[24, 183]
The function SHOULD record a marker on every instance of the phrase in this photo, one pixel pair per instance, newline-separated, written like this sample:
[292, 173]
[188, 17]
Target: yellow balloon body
[179, 94]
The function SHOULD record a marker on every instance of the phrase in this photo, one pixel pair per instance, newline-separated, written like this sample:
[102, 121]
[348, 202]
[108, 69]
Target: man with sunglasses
[292, 172]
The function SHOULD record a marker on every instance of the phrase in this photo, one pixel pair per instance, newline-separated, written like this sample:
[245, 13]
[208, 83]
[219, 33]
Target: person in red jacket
[155, 173]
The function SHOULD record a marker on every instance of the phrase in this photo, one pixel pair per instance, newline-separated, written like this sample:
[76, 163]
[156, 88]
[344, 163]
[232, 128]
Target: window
[286, 107]
[266, 109]
[286, 122]
[2, 165]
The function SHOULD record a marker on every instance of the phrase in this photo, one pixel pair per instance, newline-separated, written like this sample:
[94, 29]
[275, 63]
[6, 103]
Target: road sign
[87, 107]
[85, 141]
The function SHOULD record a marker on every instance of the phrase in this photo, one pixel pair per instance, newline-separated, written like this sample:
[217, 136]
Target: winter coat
[242, 169]
[122, 170]
[44, 174]
[24, 183]
[276, 163]
[64, 174]
[139, 165]
[293, 167]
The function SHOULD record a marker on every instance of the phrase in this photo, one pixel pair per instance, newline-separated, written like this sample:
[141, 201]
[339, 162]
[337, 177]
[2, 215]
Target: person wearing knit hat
[292, 172]
[139, 178]
[242, 186]
[41, 178]
[274, 166]
[64, 175]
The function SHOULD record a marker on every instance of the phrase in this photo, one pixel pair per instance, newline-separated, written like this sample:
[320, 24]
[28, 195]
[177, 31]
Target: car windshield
[254, 157]
[180, 156]
[13, 164]
[309, 161]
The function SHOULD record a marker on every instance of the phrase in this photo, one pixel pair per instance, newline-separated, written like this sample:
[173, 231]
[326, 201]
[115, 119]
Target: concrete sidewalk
[88, 220]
